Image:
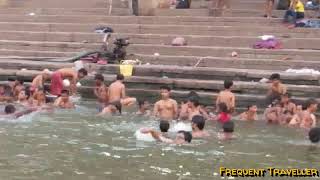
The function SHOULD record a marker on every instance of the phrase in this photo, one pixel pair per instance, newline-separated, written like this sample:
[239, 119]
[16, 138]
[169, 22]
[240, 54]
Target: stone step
[63, 4]
[203, 51]
[35, 47]
[194, 40]
[34, 53]
[164, 29]
[238, 4]
[207, 97]
[182, 72]
[227, 62]
[219, 62]
[195, 20]
[64, 11]
[231, 13]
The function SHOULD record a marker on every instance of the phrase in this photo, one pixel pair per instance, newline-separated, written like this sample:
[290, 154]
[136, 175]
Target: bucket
[126, 69]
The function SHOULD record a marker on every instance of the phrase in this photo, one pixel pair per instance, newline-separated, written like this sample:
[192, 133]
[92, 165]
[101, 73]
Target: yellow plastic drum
[126, 69]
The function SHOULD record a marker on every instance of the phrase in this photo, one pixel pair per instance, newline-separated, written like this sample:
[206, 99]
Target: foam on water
[144, 137]
[180, 126]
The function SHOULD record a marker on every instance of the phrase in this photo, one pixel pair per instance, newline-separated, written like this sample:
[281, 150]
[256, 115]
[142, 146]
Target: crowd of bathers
[111, 99]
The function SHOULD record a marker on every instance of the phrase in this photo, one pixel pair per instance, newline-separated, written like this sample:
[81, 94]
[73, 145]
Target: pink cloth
[56, 83]
[224, 117]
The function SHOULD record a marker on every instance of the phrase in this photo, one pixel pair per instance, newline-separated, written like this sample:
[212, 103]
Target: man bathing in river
[64, 100]
[227, 97]
[117, 92]
[182, 137]
[198, 123]
[66, 73]
[10, 111]
[101, 91]
[39, 80]
[166, 108]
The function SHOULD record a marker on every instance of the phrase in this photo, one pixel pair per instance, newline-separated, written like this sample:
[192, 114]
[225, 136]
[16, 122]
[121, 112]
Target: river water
[75, 144]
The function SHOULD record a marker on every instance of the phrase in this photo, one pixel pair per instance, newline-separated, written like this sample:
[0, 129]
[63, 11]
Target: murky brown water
[69, 145]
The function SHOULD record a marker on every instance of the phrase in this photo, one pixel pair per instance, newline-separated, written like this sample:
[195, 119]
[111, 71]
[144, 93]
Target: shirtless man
[66, 73]
[272, 114]
[117, 92]
[250, 114]
[39, 98]
[23, 98]
[144, 108]
[17, 86]
[101, 91]
[64, 101]
[198, 123]
[227, 97]
[10, 111]
[39, 80]
[111, 109]
[3, 95]
[308, 120]
[182, 137]
[289, 109]
[166, 108]
[276, 89]
[192, 109]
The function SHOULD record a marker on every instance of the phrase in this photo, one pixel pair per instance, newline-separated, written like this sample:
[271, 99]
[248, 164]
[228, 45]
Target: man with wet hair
[314, 135]
[276, 89]
[227, 97]
[164, 126]
[10, 110]
[166, 108]
[112, 109]
[64, 101]
[117, 92]
[198, 123]
[58, 76]
[309, 119]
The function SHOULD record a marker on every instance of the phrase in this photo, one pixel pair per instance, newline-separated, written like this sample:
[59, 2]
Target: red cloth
[56, 83]
[224, 117]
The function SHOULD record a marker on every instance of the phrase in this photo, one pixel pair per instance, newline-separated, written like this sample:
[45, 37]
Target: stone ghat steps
[238, 4]
[182, 72]
[231, 13]
[193, 40]
[135, 84]
[65, 11]
[63, 3]
[259, 12]
[256, 31]
[227, 62]
[203, 51]
[151, 49]
[174, 20]
[63, 49]
[218, 62]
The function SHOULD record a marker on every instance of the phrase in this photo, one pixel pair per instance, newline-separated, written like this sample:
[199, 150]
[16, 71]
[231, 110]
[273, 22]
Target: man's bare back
[69, 73]
[228, 98]
[166, 109]
[116, 91]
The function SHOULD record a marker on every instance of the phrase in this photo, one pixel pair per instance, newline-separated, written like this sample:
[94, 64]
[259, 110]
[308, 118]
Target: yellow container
[126, 69]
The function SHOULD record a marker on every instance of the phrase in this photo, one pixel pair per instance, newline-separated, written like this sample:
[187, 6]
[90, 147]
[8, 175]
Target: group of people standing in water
[111, 99]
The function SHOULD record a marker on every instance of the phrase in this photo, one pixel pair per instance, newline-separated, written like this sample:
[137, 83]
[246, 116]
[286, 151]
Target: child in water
[227, 97]
[224, 115]
[228, 129]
